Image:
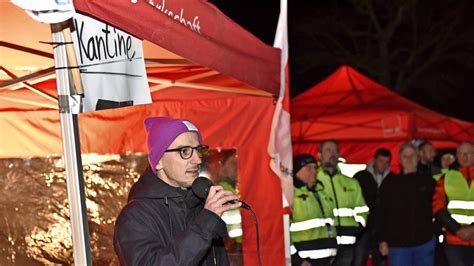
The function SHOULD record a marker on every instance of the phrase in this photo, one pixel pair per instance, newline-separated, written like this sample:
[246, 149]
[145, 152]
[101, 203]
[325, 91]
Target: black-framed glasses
[186, 152]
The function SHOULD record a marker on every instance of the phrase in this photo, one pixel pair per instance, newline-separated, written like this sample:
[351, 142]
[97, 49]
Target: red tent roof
[198, 31]
[20, 98]
[351, 108]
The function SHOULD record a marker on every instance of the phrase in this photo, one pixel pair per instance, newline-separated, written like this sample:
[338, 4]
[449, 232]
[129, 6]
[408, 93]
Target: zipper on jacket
[328, 226]
[335, 199]
[169, 216]
[214, 254]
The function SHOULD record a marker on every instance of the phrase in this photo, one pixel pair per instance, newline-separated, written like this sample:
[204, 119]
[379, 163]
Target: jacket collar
[322, 171]
[370, 169]
[300, 184]
[152, 187]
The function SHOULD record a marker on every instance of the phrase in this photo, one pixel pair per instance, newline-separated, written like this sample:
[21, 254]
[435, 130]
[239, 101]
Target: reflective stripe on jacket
[460, 197]
[350, 210]
[312, 229]
[453, 203]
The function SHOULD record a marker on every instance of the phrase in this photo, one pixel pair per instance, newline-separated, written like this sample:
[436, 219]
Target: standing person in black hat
[313, 234]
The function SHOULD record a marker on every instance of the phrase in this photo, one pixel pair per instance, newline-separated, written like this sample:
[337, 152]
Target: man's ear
[319, 155]
[159, 165]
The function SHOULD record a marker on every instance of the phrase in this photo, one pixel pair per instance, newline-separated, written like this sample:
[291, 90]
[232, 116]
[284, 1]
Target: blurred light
[351, 169]
[232, 217]
[235, 232]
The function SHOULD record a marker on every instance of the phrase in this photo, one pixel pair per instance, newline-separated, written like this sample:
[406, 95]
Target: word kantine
[105, 45]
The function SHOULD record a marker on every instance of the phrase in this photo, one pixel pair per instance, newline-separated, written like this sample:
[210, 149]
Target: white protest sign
[112, 65]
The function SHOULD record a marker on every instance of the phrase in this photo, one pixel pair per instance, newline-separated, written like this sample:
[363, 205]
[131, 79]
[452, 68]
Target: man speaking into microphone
[164, 222]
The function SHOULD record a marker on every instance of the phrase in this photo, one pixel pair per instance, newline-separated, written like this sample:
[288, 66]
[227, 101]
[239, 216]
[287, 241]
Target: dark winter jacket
[428, 169]
[165, 225]
[404, 210]
[370, 191]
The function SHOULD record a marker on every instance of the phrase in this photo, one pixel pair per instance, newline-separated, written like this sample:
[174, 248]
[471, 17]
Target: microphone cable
[247, 207]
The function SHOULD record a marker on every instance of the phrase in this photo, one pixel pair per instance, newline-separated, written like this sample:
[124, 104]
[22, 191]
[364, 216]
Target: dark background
[422, 50]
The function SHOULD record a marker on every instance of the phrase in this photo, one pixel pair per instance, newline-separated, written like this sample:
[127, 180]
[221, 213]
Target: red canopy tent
[228, 121]
[230, 113]
[363, 115]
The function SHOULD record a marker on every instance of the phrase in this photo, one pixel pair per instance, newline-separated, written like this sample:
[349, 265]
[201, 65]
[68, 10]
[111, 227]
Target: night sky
[423, 50]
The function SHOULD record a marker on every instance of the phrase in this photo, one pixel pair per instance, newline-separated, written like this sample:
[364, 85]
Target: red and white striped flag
[279, 147]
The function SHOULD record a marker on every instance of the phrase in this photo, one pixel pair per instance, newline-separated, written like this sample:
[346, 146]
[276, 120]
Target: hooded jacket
[165, 225]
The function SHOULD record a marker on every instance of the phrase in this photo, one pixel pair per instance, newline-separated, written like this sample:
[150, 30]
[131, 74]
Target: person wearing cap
[350, 210]
[164, 223]
[312, 230]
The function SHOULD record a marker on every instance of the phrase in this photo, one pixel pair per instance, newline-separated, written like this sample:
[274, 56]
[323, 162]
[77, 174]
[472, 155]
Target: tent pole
[69, 106]
[29, 86]
[32, 103]
[35, 75]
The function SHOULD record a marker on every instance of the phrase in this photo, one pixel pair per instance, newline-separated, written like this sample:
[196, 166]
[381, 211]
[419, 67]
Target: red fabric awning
[227, 111]
[197, 31]
[226, 120]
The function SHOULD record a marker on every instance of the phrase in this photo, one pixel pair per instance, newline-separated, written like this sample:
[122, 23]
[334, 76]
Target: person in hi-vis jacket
[312, 230]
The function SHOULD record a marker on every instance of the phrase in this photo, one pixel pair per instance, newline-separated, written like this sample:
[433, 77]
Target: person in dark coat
[370, 181]
[404, 214]
[426, 154]
[164, 223]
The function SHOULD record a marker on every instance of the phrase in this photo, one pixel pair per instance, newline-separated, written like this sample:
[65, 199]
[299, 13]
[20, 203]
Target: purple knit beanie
[162, 131]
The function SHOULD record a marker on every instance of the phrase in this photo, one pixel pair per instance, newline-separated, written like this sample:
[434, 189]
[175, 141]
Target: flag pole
[69, 107]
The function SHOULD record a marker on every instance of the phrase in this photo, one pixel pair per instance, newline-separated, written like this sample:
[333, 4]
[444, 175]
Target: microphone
[201, 187]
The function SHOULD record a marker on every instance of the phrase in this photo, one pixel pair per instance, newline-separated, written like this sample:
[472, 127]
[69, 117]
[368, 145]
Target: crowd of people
[423, 215]
[336, 220]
